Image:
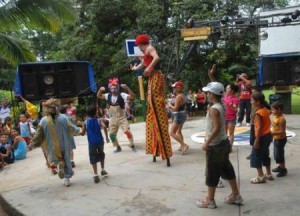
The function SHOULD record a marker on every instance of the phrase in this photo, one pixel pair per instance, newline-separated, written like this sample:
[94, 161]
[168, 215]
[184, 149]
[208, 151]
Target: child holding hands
[92, 126]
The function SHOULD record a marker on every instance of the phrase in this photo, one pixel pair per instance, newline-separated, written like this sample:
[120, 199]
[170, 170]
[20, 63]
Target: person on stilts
[157, 128]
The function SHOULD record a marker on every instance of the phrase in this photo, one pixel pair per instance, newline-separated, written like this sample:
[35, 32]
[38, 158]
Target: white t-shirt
[4, 112]
[114, 98]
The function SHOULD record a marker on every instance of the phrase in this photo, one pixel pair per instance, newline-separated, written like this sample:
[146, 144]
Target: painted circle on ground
[241, 136]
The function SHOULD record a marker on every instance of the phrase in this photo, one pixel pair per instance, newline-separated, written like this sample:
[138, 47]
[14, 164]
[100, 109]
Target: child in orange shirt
[279, 137]
[260, 150]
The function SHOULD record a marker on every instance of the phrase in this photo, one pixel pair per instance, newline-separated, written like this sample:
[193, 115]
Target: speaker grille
[295, 70]
[29, 82]
[278, 71]
[54, 79]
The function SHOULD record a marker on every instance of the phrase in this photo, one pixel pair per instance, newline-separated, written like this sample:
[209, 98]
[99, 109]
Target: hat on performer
[142, 39]
[50, 106]
[113, 82]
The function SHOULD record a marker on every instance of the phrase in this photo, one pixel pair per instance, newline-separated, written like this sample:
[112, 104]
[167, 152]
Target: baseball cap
[178, 83]
[215, 88]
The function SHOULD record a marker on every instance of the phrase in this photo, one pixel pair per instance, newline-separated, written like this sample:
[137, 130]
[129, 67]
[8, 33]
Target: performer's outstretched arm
[100, 94]
[131, 94]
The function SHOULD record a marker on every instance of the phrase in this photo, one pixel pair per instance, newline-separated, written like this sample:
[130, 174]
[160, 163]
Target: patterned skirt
[157, 126]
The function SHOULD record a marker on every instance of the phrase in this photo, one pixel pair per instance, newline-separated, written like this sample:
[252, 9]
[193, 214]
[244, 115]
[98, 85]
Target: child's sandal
[269, 177]
[258, 180]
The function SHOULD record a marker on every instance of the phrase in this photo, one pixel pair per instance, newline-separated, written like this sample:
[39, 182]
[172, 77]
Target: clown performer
[157, 128]
[117, 114]
[54, 130]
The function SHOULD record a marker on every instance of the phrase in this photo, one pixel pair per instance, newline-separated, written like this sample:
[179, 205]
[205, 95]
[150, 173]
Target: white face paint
[114, 90]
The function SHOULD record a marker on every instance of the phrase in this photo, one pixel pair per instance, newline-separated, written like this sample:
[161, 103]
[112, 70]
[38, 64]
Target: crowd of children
[221, 120]
[14, 138]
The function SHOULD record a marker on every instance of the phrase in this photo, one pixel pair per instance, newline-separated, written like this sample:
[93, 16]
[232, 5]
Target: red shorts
[27, 140]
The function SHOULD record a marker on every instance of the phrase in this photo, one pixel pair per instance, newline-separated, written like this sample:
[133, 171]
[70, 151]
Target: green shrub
[6, 94]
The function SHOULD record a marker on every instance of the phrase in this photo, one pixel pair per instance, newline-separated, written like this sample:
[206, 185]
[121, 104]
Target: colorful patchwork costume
[157, 126]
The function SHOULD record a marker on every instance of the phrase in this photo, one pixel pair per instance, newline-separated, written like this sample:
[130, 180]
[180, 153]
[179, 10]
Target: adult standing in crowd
[179, 115]
[157, 132]
[245, 98]
[201, 101]
[4, 110]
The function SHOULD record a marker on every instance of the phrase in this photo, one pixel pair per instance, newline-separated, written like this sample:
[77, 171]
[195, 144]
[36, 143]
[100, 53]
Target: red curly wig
[142, 39]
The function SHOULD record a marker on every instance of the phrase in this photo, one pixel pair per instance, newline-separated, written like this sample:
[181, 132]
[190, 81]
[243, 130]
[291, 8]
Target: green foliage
[7, 75]
[29, 14]
[5, 94]
[103, 26]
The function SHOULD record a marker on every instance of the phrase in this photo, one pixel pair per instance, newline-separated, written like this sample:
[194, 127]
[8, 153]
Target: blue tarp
[92, 88]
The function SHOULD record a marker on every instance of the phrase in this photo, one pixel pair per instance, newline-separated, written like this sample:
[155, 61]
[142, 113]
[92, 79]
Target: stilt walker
[157, 127]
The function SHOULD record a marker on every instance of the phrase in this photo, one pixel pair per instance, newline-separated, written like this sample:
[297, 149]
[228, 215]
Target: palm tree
[16, 15]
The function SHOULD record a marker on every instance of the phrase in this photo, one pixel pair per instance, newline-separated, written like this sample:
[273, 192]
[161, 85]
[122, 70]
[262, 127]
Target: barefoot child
[92, 126]
[279, 137]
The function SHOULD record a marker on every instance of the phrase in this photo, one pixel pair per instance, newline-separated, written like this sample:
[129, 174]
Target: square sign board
[132, 49]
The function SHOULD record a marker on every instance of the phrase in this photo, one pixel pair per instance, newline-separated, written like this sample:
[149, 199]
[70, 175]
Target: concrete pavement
[137, 186]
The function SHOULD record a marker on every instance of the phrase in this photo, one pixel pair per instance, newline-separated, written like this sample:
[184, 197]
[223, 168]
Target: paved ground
[137, 186]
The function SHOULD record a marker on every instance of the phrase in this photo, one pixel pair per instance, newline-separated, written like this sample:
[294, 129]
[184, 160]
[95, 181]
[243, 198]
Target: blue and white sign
[132, 49]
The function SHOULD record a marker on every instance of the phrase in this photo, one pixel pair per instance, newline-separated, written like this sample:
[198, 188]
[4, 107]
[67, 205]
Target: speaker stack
[278, 71]
[55, 79]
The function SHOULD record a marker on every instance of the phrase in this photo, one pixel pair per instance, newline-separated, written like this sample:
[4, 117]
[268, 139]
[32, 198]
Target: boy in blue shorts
[92, 126]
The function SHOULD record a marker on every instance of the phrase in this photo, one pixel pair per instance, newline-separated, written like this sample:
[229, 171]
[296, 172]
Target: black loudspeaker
[29, 82]
[281, 70]
[83, 79]
[295, 72]
[54, 79]
[67, 79]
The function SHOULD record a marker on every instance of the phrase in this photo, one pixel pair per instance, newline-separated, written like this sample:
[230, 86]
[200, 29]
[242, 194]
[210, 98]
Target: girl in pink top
[231, 102]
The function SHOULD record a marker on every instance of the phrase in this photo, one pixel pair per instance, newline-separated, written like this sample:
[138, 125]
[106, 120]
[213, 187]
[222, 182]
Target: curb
[8, 208]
